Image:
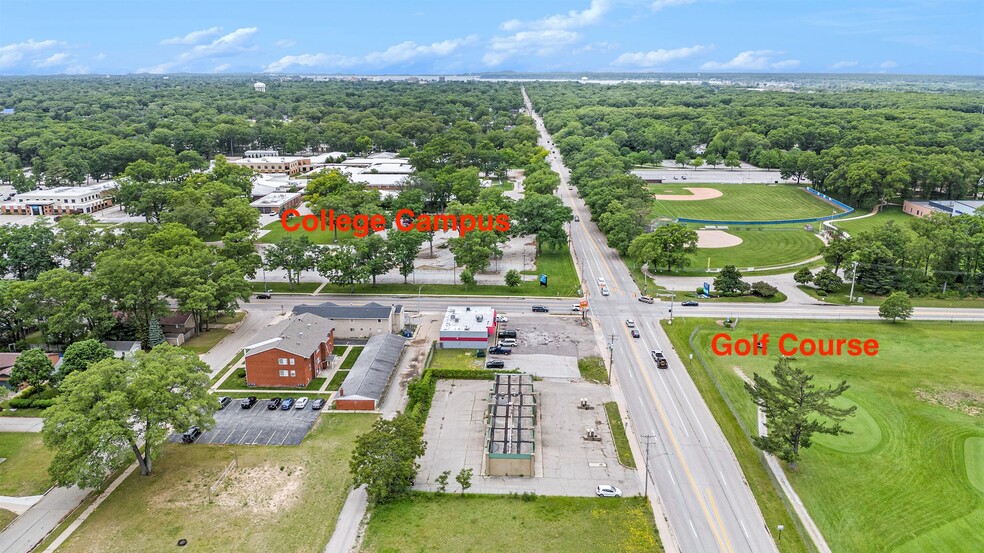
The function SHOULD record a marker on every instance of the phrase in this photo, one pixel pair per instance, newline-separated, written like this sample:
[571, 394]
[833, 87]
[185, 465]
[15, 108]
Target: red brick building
[291, 353]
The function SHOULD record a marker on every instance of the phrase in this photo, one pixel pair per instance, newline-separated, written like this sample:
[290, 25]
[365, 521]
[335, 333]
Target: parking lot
[549, 345]
[257, 426]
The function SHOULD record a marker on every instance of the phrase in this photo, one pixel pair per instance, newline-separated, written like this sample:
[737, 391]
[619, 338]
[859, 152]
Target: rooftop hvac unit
[478, 318]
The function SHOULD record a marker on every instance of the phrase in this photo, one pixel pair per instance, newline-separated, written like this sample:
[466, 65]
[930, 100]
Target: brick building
[63, 200]
[291, 353]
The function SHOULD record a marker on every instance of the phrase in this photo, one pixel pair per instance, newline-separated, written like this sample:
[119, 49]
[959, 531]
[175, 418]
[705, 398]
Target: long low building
[363, 388]
[510, 432]
[278, 202]
[359, 321]
[950, 207]
[62, 200]
[467, 327]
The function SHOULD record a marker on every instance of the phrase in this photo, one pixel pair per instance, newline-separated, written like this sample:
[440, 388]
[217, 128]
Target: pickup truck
[659, 359]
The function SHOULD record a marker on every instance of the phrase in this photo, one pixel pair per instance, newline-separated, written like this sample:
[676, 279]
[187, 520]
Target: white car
[608, 491]
[601, 282]
[576, 308]
[501, 319]
[301, 403]
[508, 343]
[630, 323]
[604, 291]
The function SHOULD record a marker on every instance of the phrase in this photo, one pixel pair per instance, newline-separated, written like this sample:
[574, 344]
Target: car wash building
[467, 327]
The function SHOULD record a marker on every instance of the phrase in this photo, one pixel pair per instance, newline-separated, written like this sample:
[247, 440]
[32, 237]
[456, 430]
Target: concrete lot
[565, 463]
[257, 426]
[549, 345]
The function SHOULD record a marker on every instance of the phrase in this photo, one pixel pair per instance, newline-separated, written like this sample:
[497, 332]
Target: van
[508, 334]
[646, 299]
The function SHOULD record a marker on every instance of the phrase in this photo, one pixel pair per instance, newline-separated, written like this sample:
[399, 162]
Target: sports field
[741, 202]
[890, 213]
[909, 479]
[761, 246]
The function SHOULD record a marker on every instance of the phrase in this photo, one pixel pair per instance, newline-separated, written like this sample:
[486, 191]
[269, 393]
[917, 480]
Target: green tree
[442, 482]
[240, 247]
[542, 216]
[374, 256]
[682, 159]
[896, 306]
[27, 251]
[712, 159]
[294, 254]
[68, 306]
[732, 160]
[697, 162]
[120, 409]
[78, 242]
[764, 289]
[342, 265]
[138, 279]
[403, 247]
[385, 458]
[803, 276]
[234, 216]
[33, 368]
[795, 409]
[621, 225]
[464, 479]
[81, 355]
[837, 251]
[827, 280]
[467, 277]
[728, 282]
[670, 245]
[513, 278]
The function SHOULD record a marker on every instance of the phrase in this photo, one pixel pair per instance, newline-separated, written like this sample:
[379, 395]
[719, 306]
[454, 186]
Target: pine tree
[155, 334]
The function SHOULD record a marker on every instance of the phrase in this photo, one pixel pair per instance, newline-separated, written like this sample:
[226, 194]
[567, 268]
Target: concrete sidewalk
[347, 527]
[32, 527]
[21, 424]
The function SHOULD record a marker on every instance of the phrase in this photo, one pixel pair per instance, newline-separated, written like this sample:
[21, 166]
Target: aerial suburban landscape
[673, 276]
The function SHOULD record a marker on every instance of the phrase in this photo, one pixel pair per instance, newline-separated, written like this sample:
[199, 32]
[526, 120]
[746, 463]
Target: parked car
[301, 403]
[689, 303]
[630, 323]
[287, 404]
[223, 401]
[540, 309]
[683, 177]
[263, 296]
[635, 333]
[495, 364]
[608, 491]
[248, 403]
[499, 350]
[508, 343]
[501, 319]
[508, 334]
[273, 403]
[646, 299]
[605, 292]
[317, 404]
[191, 435]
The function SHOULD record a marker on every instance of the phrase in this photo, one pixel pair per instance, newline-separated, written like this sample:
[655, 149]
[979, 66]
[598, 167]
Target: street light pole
[780, 527]
[648, 437]
[611, 357]
[672, 297]
[854, 278]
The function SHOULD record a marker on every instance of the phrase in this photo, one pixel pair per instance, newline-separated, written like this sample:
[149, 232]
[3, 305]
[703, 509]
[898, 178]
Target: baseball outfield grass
[761, 247]
[909, 478]
[890, 213]
[742, 202]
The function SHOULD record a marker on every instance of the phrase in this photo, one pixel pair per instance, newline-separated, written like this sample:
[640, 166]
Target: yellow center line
[710, 497]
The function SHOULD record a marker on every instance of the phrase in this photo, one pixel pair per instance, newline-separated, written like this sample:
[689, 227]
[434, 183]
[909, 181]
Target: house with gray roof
[359, 321]
[290, 353]
[363, 388]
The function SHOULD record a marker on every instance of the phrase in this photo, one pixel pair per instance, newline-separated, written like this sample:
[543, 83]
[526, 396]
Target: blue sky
[454, 36]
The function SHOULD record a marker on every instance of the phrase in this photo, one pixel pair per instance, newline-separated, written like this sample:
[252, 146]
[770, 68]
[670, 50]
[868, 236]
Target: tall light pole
[672, 297]
[648, 437]
[418, 299]
[854, 278]
[611, 357]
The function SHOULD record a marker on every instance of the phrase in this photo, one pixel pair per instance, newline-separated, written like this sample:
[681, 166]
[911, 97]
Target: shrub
[764, 289]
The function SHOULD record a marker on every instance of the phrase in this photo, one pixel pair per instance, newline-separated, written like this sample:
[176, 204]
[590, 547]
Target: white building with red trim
[468, 328]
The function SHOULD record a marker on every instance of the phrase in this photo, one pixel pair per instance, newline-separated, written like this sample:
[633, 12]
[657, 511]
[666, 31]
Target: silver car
[608, 491]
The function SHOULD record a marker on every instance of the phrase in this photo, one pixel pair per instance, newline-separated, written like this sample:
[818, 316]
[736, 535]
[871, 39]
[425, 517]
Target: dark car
[263, 296]
[287, 404]
[273, 403]
[689, 303]
[495, 364]
[540, 309]
[223, 401]
[500, 350]
[635, 333]
[248, 403]
[317, 404]
[508, 334]
[191, 435]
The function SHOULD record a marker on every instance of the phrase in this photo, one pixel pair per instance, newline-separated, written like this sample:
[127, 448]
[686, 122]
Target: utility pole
[854, 278]
[611, 357]
[418, 299]
[648, 437]
[672, 297]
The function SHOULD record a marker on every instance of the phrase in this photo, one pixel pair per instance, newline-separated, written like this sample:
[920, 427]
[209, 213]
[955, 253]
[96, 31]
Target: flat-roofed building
[510, 428]
[467, 327]
[61, 200]
[260, 153]
[288, 165]
[277, 202]
[359, 321]
[950, 207]
[363, 388]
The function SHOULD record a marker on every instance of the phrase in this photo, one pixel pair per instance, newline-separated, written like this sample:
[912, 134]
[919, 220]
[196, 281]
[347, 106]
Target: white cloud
[752, 60]
[887, 64]
[59, 58]
[225, 45]
[660, 4]
[77, 69]
[571, 20]
[398, 53]
[11, 54]
[194, 37]
[100, 56]
[285, 43]
[843, 64]
[655, 58]
[539, 43]
[221, 68]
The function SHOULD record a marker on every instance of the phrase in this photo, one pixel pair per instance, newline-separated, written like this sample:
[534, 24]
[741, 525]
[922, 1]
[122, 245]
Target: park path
[30, 528]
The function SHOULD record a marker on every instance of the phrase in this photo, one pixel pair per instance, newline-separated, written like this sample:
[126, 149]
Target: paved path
[56, 543]
[18, 505]
[21, 424]
[348, 526]
[32, 527]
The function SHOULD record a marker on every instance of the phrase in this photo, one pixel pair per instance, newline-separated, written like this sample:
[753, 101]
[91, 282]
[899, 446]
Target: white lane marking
[685, 398]
[670, 472]
[724, 482]
[692, 527]
[743, 531]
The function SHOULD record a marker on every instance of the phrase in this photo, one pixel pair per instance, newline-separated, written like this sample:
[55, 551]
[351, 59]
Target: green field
[25, 472]
[451, 524]
[742, 202]
[277, 231]
[276, 499]
[889, 213]
[916, 447]
[456, 359]
[761, 247]
[350, 359]
[842, 296]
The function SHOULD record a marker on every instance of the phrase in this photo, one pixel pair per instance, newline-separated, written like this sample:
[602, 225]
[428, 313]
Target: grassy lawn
[336, 381]
[742, 202]
[205, 341]
[20, 412]
[504, 185]
[889, 213]
[618, 434]
[844, 294]
[353, 356]
[226, 319]
[558, 266]
[760, 247]
[593, 369]
[6, 517]
[228, 367]
[284, 288]
[277, 499]
[237, 381]
[916, 443]
[25, 472]
[456, 359]
[277, 231]
[451, 523]
[684, 295]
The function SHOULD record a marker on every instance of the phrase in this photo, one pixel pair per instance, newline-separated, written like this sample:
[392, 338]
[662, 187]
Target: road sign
[707, 289]
[584, 304]
[543, 280]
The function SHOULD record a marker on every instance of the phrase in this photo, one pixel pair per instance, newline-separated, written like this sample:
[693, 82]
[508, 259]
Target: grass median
[619, 436]
[593, 369]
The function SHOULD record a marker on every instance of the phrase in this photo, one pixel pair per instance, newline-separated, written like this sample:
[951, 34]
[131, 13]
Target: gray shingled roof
[373, 369]
[298, 334]
[331, 310]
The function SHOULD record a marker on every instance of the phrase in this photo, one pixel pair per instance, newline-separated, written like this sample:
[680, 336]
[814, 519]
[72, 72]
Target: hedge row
[23, 403]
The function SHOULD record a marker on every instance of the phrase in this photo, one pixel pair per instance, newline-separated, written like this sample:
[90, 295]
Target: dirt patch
[695, 194]
[968, 402]
[716, 239]
[261, 490]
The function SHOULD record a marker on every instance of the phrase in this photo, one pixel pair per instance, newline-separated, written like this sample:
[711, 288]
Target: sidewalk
[32, 527]
[21, 424]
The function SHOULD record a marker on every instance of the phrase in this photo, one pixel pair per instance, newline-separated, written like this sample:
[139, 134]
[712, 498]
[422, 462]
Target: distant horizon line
[502, 72]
